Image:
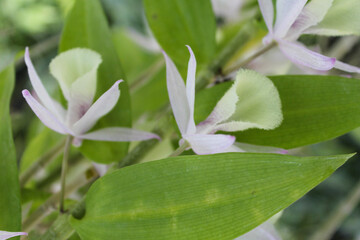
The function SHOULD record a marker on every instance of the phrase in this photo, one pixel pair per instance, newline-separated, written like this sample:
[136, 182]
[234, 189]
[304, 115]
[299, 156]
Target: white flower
[76, 71]
[251, 102]
[294, 18]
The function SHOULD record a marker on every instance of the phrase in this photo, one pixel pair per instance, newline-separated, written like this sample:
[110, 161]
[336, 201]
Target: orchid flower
[251, 102]
[294, 18]
[6, 235]
[76, 71]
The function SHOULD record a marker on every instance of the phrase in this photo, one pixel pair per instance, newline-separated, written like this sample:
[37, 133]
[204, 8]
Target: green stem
[41, 163]
[332, 223]
[245, 62]
[180, 150]
[243, 36]
[53, 201]
[64, 171]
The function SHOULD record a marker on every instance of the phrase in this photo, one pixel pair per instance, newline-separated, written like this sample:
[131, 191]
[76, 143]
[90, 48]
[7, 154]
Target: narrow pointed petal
[190, 90]
[6, 235]
[287, 12]
[259, 149]
[40, 90]
[101, 169]
[299, 54]
[209, 143]
[117, 134]
[177, 95]
[46, 117]
[313, 13]
[267, 10]
[265, 231]
[100, 108]
[346, 67]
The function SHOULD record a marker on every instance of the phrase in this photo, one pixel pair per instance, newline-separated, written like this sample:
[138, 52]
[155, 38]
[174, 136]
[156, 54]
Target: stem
[246, 32]
[147, 75]
[337, 217]
[180, 150]
[52, 202]
[137, 153]
[245, 62]
[64, 170]
[41, 163]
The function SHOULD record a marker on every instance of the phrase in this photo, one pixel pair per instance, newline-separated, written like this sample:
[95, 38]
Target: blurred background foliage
[38, 24]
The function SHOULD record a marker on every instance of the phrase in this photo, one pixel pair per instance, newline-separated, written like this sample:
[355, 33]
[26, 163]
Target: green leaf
[315, 109]
[10, 206]
[208, 197]
[342, 19]
[86, 27]
[176, 23]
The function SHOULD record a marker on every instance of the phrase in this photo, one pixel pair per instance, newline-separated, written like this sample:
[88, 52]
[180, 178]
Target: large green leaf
[10, 208]
[315, 109]
[176, 23]
[86, 26]
[342, 19]
[217, 196]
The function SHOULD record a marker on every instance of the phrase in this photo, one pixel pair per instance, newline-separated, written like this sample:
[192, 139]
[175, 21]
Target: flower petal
[117, 134]
[346, 67]
[267, 10]
[77, 66]
[209, 143]
[286, 13]
[177, 95]
[102, 106]
[6, 235]
[259, 149]
[265, 231]
[46, 117]
[311, 15]
[299, 54]
[190, 90]
[342, 19]
[258, 104]
[40, 90]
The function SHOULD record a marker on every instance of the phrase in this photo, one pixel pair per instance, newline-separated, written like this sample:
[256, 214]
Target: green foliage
[315, 109]
[183, 22]
[86, 27]
[10, 208]
[217, 196]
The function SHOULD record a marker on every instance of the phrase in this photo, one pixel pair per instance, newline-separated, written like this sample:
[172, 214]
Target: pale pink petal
[46, 117]
[267, 10]
[101, 169]
[102, 106]
[209, 143]
[40, 90]
[6, 235]
[299, 54]
[287, 12]
[118, 134]
[177, 95]
[311, 15]
[346, 67]
[259, 149]
[190, 90]
[265, 231]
